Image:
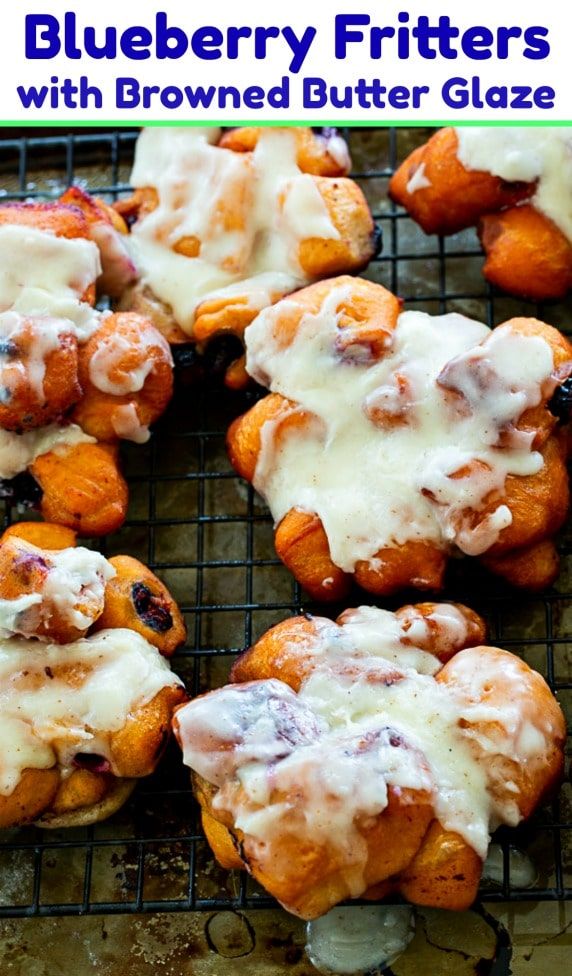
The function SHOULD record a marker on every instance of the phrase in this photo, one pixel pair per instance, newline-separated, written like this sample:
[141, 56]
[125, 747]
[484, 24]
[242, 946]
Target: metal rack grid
[196, 524]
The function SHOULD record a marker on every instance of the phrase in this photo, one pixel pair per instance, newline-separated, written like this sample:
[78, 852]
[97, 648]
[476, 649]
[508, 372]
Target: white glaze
[527, 155]
[320, 762]
[19, 451]
[250, 211]
[75, 578]
[95, 685]
[47, 333]
[522, 871]
[377, 462]
[118, 269]
[114, 349]
[126, 424]
[41, 274]
[12, 612]
[359, 940]
[419, 180]
[337, 148]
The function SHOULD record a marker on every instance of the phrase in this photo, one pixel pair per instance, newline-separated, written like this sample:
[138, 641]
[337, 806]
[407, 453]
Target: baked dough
[523, 219]
[369, 756]
[224, 225]
[392, 440]
[85, 692]
[74, 380]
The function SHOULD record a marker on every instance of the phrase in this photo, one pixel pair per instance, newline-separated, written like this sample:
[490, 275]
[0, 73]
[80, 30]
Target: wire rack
[205, 532]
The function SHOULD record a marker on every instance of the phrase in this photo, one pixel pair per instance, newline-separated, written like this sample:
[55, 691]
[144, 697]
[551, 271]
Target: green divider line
[339, 123]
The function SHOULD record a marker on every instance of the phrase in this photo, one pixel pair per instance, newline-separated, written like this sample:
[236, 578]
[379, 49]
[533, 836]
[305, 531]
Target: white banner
[345, 61]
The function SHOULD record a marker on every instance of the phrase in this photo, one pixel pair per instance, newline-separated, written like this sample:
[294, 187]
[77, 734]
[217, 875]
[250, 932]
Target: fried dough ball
[65, 590]
[367, 315]
[87, 700]
[82, 488]
[74, 590]
[455, 197]
[286, 650]
[231, 309]
[287, 759]
[95, 787]
[59, 219]
[45, 535]
[38, 386]
[54, 367]
[126, 373]
[135, 598]
[56, 218]
[526, 253]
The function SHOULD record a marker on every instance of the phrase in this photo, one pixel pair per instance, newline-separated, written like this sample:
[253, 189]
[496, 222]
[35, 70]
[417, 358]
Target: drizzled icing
[543, 158]
[60, 700]
[248, 211]
[43, 279]
[319, 763]
[19, 451]
[107, 365]
[380, 461]
[126, 424]
[73, 588]
[46, 335]
[41, 274]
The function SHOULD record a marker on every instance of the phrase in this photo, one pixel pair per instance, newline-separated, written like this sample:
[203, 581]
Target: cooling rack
[207, 535]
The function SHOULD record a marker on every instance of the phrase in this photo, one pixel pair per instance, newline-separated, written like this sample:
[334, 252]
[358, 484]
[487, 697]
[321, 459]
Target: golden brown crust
[56, 218]
[537, 778]
[526, 253]
[46, 535]
[408, 850]
[82, 797]
[285, 651]
[83, 489]
[24, 570]
[95, 788]
[534, 567]
[94, 209]
[83, 816]
[134, 598]
[417, 564]
[137, 599]
[319, 258]
[445, 872]
[29, 404]
[350, 215]
[456, 197]
[33, 794]
[538, 502]
[66, 383]
[302, 545]
[96, 411]
[138, 746]
[220, 840]
[306, 876]
[82, 788]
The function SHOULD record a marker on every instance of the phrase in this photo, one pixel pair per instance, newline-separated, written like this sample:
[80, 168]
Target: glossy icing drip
[246, 214]
[407, 446]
